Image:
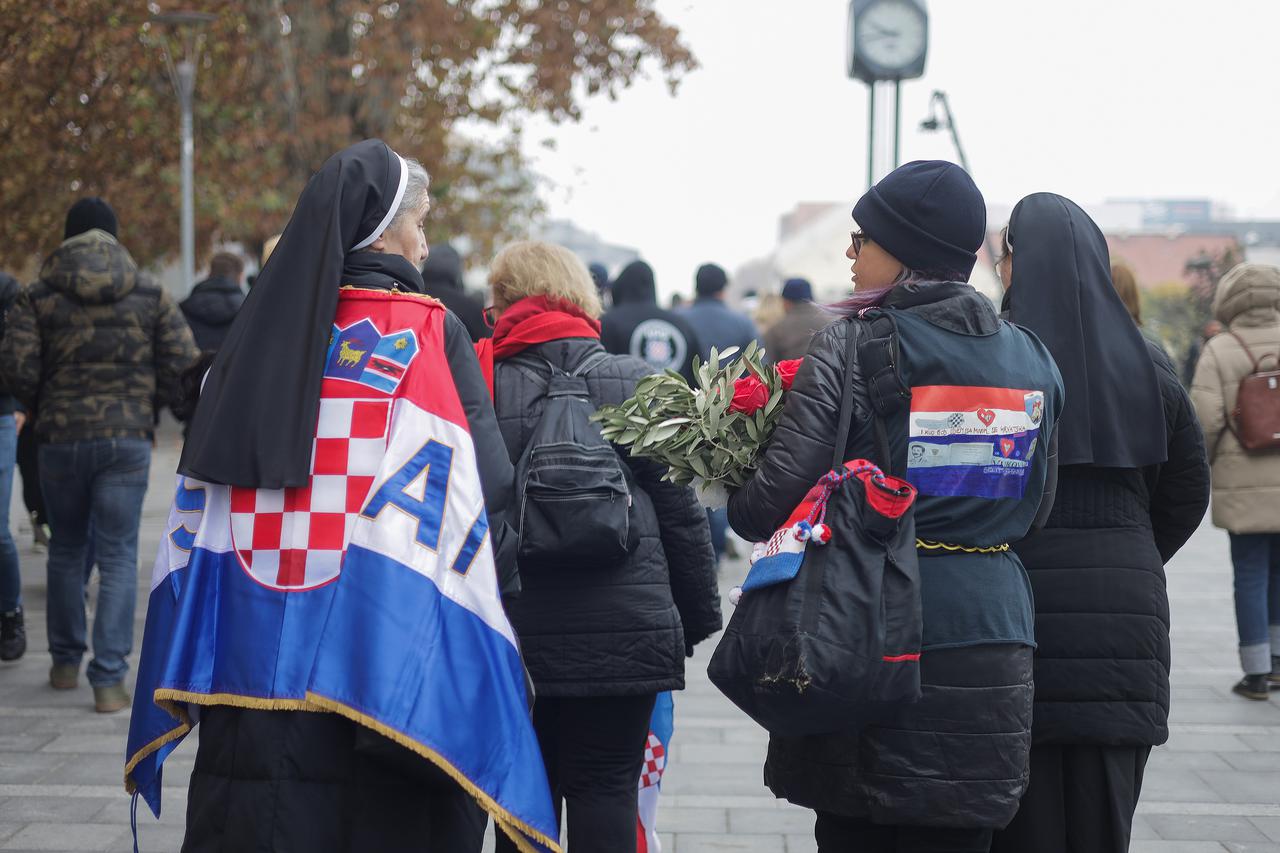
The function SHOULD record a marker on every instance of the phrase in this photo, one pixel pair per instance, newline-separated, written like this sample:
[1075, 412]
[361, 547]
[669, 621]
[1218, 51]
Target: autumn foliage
[88, 108]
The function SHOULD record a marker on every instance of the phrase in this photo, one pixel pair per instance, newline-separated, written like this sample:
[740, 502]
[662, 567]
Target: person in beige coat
[1246, 485]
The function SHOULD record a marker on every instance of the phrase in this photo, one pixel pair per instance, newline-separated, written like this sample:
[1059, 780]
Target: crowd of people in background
[1045, 608]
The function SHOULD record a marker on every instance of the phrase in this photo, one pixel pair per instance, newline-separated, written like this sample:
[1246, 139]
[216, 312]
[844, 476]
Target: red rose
[749, 395]
[787, 371]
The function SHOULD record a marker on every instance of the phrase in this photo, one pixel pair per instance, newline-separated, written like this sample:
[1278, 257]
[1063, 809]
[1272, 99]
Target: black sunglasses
[858, 238]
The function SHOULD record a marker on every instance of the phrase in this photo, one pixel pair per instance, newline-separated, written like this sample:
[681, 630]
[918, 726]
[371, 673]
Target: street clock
[887, 39]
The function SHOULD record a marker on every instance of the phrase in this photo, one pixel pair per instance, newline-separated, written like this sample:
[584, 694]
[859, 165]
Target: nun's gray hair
[416, 192]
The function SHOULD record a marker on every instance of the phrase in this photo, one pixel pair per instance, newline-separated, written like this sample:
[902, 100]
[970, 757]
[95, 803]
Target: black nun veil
[1113, 414]
[254, 424]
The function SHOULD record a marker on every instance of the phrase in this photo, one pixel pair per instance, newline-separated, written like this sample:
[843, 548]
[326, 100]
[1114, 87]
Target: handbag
[1256, 419]
[826, 635]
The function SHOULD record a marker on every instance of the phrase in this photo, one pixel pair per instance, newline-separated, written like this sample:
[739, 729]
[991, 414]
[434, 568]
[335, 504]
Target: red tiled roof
[1157, 259]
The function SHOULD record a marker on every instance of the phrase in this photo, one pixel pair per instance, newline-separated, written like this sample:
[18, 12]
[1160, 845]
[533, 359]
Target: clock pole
[887, 42]
[897, 122]
[871, 134]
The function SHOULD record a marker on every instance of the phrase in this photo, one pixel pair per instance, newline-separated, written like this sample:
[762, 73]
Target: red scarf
[533, 320]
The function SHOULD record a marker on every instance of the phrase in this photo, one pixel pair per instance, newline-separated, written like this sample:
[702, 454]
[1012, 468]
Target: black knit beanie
[87, 213]
[710, 280]
[928, 214]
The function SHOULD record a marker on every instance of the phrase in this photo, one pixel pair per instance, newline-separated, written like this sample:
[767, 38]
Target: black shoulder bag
[833, 640]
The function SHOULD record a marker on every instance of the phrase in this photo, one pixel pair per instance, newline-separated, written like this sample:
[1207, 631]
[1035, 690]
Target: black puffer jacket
[959, 755]
[615, 629]
[210, 310]
[1097, 568]
[9, 289]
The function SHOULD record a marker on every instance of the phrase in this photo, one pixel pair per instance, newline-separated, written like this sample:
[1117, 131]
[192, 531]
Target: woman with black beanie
[1132, 487]
[970, 427]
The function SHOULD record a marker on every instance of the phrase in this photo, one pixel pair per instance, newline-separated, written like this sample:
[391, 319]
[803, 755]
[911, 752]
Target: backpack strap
[590, 363]
[531, 366]
[879, 357]
[1256, 362]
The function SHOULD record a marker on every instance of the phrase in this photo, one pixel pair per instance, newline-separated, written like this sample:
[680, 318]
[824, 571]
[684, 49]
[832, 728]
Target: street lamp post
[185, 41]
[933, 122]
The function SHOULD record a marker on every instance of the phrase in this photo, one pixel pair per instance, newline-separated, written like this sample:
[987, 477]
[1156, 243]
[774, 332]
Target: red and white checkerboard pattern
[295, 538]
[783, 540]
[655, 759]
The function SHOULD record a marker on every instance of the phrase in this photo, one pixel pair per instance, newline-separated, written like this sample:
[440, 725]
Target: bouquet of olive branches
[708, 435]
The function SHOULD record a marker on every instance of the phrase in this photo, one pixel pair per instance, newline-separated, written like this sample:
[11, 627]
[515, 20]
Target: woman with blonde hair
[1127, 286]
[603, 634]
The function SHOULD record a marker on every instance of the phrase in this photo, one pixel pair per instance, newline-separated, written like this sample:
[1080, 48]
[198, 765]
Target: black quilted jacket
[621, 629]
[1097, 569]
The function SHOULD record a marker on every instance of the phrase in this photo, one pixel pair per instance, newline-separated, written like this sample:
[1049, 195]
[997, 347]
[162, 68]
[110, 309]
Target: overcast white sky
[1093, 99]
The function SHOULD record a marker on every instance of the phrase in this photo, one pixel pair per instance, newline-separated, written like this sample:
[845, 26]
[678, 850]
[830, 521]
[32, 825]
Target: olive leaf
[693, 431]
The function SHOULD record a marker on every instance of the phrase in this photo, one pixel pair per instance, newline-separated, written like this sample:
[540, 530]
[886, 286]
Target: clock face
[890, 34]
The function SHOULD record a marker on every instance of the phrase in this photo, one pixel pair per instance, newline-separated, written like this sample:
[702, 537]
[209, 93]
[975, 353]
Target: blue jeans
[10, 578]
[1256, 560]
[104, 479]
[718, 519]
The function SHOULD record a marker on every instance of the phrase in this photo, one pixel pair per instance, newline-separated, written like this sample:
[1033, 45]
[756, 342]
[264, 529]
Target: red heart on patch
[1006, 447]
[987, 417]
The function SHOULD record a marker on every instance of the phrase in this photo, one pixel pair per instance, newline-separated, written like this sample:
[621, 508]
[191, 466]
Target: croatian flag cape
[370, 593]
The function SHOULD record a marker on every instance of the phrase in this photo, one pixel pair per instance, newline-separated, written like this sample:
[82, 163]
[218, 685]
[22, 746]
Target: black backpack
[575, 498]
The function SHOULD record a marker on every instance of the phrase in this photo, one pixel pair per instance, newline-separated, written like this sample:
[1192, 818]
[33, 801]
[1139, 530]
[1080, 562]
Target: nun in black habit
[1133, 484]
[305, 780]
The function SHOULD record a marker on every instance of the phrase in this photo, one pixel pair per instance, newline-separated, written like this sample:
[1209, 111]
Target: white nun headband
[391, 211]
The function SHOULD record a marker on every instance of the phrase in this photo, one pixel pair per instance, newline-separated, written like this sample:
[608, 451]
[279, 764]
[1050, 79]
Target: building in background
[812, 240]
[1162, 239]
[586, 245]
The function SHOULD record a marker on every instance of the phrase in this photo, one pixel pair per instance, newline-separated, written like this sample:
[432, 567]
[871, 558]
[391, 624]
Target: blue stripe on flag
[456, 686]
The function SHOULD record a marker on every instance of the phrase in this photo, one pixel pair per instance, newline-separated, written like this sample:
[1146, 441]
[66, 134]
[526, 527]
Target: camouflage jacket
[94, 346]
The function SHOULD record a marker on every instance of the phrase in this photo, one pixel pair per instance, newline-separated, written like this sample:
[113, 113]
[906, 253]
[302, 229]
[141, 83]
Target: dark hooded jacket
[95, 344]
[959, 755]
[442, 279]
[620, 629]
[1131, 493]
[209, 310]
[635, 325]
[9, 289]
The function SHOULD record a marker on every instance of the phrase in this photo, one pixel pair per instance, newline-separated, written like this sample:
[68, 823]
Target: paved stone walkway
[1214, 787]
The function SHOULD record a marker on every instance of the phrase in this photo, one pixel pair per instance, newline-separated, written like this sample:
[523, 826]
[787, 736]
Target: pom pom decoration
[802, 530]
[821, 534]
[735, 595]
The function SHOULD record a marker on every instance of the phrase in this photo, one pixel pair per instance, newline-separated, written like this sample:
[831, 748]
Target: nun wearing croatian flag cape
[326, 605]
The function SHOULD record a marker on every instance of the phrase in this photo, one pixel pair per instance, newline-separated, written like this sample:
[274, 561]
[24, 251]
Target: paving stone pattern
[1214, 787]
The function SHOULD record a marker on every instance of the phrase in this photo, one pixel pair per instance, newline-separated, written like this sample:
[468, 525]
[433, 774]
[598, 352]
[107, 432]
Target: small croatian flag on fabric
[779, 558]
[655, 762]
[371, 592]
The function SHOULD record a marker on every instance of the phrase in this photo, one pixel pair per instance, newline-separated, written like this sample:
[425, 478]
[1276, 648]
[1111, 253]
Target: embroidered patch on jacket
[971, 441]
[360, 353]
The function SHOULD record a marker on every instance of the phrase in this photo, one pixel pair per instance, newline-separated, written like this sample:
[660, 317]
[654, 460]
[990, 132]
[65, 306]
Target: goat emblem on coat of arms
[361, 353]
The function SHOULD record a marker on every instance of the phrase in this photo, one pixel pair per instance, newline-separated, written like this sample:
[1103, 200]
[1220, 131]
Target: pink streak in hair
[860, 301]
